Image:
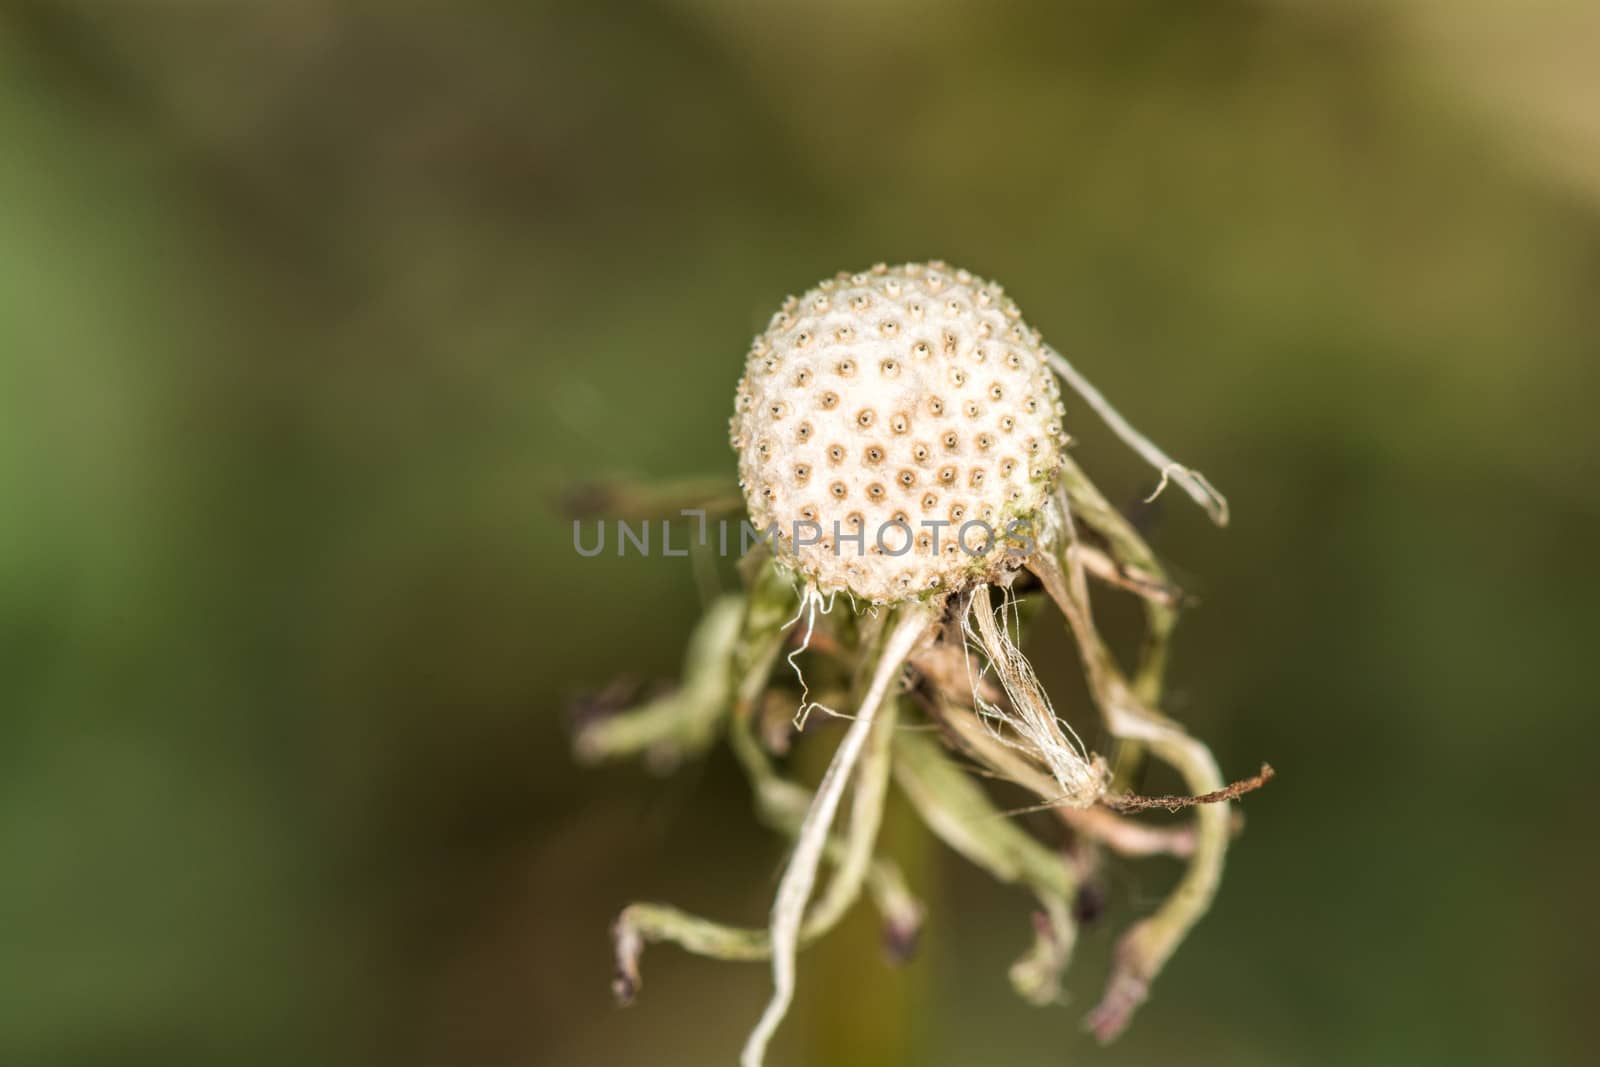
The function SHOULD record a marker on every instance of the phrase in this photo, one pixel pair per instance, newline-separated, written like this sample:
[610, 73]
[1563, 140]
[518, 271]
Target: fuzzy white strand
[1193, 482]
[1031, 719]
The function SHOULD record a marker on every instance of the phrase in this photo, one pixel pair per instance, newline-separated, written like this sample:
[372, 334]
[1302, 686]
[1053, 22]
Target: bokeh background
[310, 312]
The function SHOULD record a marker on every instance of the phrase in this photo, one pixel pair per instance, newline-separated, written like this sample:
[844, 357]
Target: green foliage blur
[310, 312]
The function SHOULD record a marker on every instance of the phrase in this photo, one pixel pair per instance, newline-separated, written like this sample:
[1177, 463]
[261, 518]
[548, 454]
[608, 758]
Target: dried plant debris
[902, 451]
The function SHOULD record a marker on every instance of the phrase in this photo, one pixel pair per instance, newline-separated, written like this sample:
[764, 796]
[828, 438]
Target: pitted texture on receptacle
[882, 403]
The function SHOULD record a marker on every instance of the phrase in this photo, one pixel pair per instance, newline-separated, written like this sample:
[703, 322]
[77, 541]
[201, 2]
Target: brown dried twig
[1130, 802]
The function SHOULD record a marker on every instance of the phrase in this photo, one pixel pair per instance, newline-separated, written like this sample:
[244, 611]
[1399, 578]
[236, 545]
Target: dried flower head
[900, 434]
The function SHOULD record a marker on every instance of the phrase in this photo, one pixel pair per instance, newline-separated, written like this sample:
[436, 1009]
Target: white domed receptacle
[884, 411]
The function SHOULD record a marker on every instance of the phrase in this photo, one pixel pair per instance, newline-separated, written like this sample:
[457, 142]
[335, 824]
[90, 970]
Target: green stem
[1090, 506]
[1145, 949]
[783, 804]
[683, 722]
[958, 811]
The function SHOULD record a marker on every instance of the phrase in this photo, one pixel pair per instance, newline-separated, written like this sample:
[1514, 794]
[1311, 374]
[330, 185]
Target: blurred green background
[309, 311]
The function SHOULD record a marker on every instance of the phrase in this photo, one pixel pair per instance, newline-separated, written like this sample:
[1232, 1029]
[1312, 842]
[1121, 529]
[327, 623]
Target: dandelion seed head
[887, 381]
